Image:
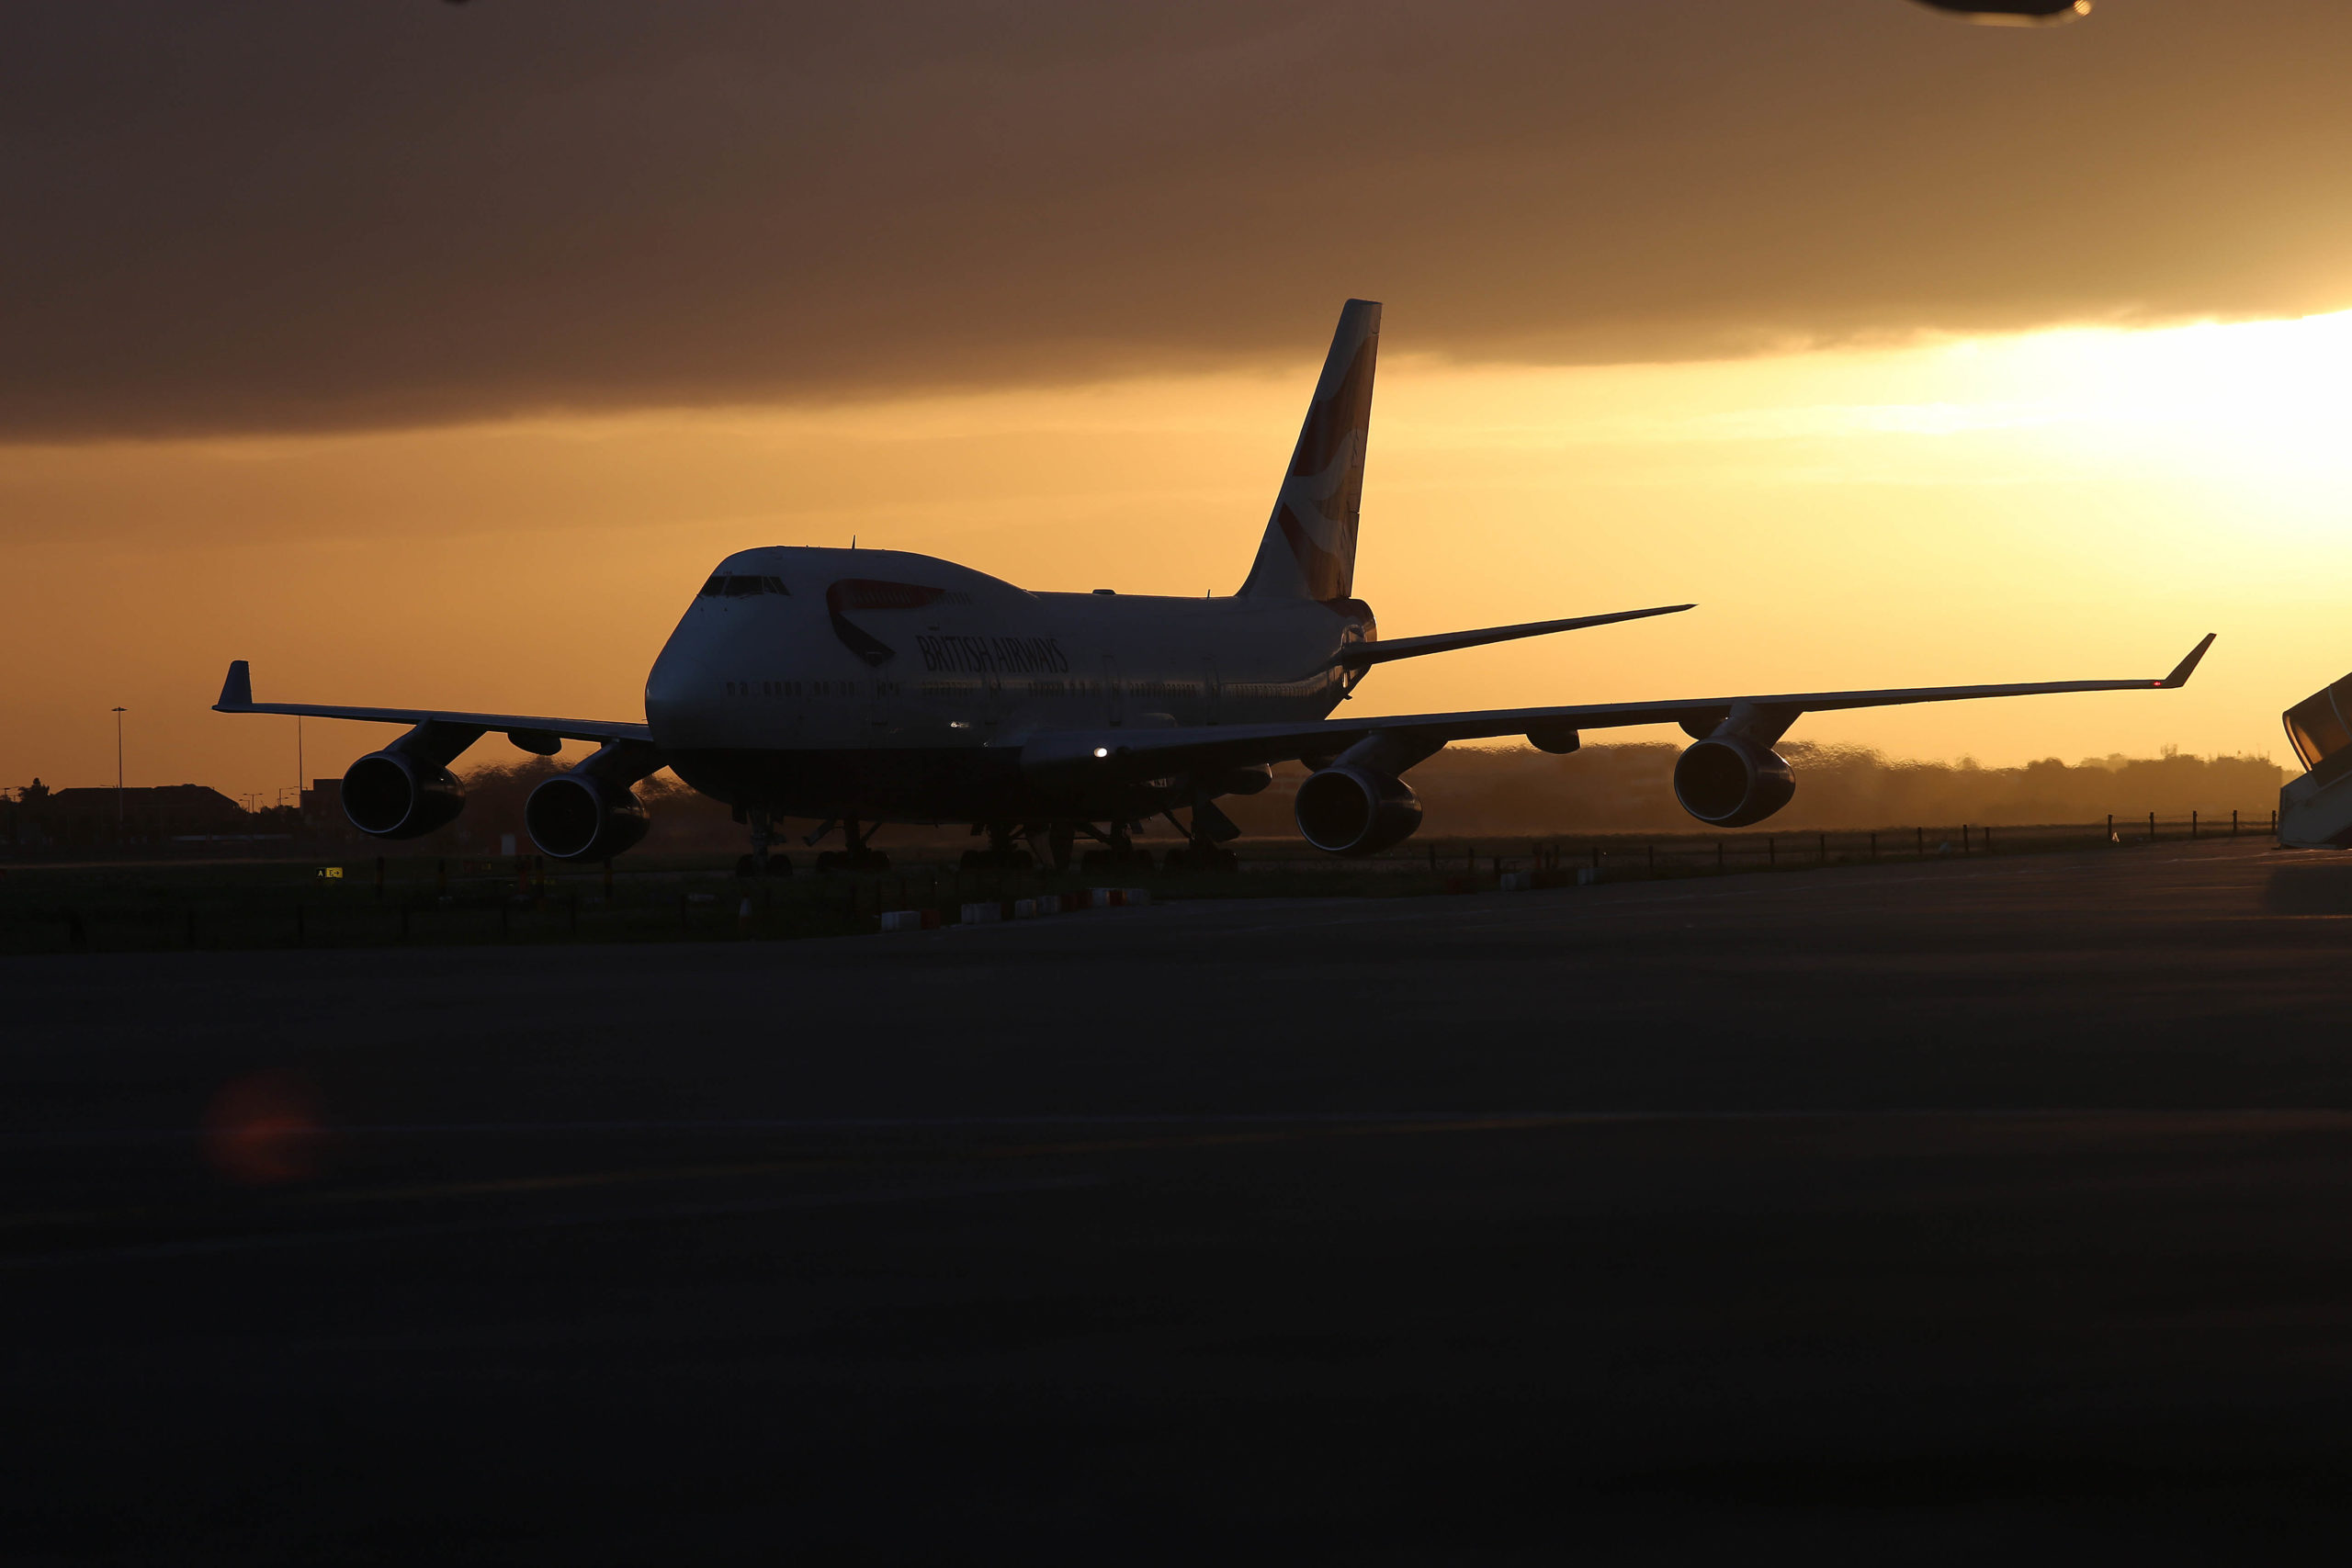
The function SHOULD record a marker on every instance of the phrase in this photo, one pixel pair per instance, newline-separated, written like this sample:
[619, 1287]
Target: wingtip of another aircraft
[2188, 667]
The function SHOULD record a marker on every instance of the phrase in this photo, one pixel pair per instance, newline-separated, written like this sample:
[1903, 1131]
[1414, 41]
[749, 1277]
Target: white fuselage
[803, 651]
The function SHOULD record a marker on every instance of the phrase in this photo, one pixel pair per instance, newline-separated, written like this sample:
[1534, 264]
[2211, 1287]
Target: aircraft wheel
[1210, 859]
[747, 865]
[779, 866]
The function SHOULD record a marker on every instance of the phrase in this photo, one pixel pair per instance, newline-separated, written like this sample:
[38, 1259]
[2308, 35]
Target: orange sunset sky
[431, 355]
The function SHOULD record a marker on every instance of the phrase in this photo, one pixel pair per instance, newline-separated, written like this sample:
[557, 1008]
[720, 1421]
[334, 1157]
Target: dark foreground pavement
[1908, 1215]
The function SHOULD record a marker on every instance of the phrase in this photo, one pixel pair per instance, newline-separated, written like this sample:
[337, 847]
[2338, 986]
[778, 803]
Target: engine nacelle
[397, 794]
[1348, 810]
[1728, 782]
[578, 817]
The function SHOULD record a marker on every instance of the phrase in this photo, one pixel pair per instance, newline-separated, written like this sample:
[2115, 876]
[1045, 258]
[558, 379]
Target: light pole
[118, 771]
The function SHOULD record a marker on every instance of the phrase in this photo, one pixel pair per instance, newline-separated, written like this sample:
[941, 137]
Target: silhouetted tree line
[1630, 788]
[1516, 790]
[1466, 792]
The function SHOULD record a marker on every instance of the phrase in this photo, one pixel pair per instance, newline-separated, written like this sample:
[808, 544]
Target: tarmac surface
[1911, 1212]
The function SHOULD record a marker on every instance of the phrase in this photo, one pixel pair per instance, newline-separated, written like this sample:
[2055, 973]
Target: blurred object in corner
[2011, 13]
[2315, 810]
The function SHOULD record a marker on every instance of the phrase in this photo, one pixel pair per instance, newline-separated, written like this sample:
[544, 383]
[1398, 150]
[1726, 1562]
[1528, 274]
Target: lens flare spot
[264, 1129]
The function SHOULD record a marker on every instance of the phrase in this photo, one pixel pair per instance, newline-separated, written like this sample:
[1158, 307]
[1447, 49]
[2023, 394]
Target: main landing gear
[759, 862]
[1202, 857]
[857, 856]
[1001, 854]
[1204, 848]
[1118, 852]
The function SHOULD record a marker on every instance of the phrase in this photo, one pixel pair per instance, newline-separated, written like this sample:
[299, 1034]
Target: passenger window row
[804, 688]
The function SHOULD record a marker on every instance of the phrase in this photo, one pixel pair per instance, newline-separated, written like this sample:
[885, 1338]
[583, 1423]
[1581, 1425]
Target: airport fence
[1475, 864]
[382, 901]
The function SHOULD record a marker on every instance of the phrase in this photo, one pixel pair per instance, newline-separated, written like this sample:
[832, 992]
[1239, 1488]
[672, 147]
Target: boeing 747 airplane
[861, 687]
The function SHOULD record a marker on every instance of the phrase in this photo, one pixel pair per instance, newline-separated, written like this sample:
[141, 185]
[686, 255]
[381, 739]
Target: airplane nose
[671, 689]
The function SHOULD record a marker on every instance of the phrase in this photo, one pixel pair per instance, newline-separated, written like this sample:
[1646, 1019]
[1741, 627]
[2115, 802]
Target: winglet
[2181, 672]
[237, 691]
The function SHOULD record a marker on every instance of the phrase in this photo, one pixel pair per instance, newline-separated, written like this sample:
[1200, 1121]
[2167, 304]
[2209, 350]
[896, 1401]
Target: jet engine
[398, 794]
[1348, 810]
[577, 816]
[1729, 782]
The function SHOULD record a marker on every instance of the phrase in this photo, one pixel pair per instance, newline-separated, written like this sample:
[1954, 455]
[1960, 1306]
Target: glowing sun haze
[431, 355]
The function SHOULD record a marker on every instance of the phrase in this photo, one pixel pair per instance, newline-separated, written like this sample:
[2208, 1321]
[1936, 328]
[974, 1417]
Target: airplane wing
[531, 733]
[1364, 655]
[1156, 753]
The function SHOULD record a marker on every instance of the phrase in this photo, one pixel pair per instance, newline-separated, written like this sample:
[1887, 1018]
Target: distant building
[323, 819]
[103, 817]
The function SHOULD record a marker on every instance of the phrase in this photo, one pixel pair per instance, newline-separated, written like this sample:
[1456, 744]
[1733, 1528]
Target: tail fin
[1309, 550]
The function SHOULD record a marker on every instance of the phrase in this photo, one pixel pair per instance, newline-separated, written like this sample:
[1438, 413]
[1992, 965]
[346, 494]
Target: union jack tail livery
[1309, 550]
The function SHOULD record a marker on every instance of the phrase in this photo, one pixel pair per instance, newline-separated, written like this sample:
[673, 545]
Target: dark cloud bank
[240, 216]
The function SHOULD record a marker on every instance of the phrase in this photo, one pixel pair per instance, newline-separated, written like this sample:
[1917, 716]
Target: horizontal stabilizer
[1362, 655]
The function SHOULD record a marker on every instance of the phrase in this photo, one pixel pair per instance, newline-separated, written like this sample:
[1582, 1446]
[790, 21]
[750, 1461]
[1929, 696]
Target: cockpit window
[727, 585]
